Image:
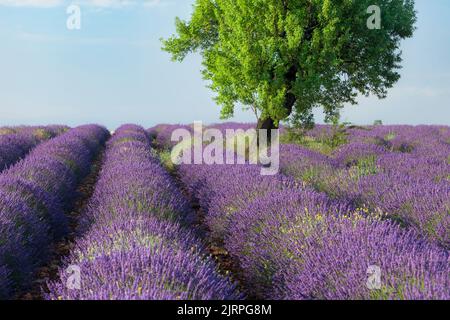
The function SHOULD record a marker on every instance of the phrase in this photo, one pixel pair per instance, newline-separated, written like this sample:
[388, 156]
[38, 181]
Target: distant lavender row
[292, 242]
[162, 133]
[396, 134]
[135, 244]
[33, 196]
[16, 142]
[55, 129]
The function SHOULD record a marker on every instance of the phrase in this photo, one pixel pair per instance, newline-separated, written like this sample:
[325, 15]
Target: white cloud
[121, 3]
[108, 3]
[91, 3]
[31, 3]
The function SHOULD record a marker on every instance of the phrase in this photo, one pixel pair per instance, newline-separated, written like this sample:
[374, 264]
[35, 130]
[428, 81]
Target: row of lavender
[293, 242]
[41, 131]
[134, 240]
[162, 133]
[34, 194]
[16, 142]
[401, 172]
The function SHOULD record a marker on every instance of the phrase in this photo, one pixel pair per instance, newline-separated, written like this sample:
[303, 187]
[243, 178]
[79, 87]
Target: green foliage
[166, 161]
[338, 133]
[42, 134]
[390, 136]
[324, 144]
[295, 137]
[284, 58]
[124, 140]
[385, 293]
[7, 130]
[364, 167]
[405, 148]
[378, 123]
[436, 220]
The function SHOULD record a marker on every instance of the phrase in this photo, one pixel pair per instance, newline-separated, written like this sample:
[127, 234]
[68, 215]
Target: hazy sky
[113, 71]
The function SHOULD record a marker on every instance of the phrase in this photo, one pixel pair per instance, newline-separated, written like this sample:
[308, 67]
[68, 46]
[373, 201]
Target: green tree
[283, 58]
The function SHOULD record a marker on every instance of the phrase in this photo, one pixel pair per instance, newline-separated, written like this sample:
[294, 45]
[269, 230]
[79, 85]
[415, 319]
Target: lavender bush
[34, 193]
[162, 134]
[333, 264]
[376, 204]
[18, 141]
[377, 170]
[293, 242]
[135, 237]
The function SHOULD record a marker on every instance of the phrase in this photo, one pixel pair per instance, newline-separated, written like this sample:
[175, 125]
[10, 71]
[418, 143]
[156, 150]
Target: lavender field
[86, 214]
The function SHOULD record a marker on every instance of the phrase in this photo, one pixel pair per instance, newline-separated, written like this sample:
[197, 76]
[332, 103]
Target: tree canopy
[283, 58]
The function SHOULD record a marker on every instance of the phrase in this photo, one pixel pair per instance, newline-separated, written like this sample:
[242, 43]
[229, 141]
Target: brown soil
[225, 263]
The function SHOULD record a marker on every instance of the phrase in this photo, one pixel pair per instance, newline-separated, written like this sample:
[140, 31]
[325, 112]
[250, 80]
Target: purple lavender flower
[146, 273]
[278, 230]
[224, 189]
[19, 141]
[259, 236]
[134, 240]
[351, 153]
[33, 194]
[334, 264]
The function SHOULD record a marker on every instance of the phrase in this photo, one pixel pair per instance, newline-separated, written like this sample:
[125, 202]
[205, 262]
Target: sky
[113, 71]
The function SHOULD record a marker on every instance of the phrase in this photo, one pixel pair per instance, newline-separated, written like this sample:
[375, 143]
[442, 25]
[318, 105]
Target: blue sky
[113, 71]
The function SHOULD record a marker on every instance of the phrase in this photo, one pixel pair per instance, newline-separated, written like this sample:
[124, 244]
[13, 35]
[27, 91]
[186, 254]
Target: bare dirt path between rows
[225, 264]
[61, 249]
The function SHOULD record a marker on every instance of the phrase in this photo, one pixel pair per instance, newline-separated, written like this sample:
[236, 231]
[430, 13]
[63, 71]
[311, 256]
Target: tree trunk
[267, 124]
